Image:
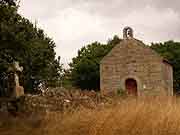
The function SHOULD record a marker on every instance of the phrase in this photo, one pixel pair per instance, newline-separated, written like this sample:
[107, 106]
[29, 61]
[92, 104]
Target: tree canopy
[8, 2]
[21, 40]
[85, 67]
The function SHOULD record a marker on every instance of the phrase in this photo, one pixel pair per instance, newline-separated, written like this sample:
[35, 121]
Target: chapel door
[131, 87]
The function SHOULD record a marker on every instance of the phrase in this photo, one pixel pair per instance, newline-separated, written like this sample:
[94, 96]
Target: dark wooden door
[131, 87]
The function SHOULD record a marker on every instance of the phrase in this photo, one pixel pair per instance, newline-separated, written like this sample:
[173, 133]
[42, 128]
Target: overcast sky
[75, 23]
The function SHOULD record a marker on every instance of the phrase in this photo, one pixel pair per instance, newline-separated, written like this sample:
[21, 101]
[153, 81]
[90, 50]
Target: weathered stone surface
[14, 88]
[132, 59]
[59, 99]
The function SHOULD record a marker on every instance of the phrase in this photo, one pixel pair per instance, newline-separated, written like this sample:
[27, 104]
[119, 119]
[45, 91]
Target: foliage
[22, 41]
[8, 2]
[66, 81]
[171, 50]
[121, 92]
[85, 67]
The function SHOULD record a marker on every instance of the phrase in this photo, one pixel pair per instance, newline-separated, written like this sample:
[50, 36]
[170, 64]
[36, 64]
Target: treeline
[21, 40]
[84, 69]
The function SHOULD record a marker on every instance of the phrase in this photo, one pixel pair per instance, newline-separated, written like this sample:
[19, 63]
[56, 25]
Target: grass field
[150, 116]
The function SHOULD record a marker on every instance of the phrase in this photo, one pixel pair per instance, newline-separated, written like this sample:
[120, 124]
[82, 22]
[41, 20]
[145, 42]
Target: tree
[8, 2]
[21, 40]
[85, 70]
[171, 50]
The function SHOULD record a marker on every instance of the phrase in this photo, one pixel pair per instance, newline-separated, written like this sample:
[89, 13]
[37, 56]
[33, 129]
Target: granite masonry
[133, 68]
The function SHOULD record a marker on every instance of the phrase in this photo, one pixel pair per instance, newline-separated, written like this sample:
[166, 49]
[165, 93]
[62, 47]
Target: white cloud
[75, 24]
[71, 29]
[151, 24]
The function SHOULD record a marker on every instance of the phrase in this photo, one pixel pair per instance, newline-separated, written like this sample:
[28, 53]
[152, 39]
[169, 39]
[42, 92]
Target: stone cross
[13, 85]
[17, 68]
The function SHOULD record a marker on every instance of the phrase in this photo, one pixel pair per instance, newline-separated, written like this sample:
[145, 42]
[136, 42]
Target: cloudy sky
[75, 23]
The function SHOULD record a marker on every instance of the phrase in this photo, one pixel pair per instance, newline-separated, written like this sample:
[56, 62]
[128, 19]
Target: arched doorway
[131, 87]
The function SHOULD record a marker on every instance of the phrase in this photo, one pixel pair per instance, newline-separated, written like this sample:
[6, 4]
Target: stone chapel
[136, 69]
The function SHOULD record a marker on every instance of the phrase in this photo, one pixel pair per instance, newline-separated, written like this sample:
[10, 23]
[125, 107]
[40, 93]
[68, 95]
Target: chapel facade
[136, 69]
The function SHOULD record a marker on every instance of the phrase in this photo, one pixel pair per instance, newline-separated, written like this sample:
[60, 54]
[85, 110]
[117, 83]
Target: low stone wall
[57, 99]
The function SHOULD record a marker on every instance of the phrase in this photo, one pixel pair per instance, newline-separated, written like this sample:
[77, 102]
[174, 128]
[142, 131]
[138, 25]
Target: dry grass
[126, 117]
[152, 116]
[24, 125]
